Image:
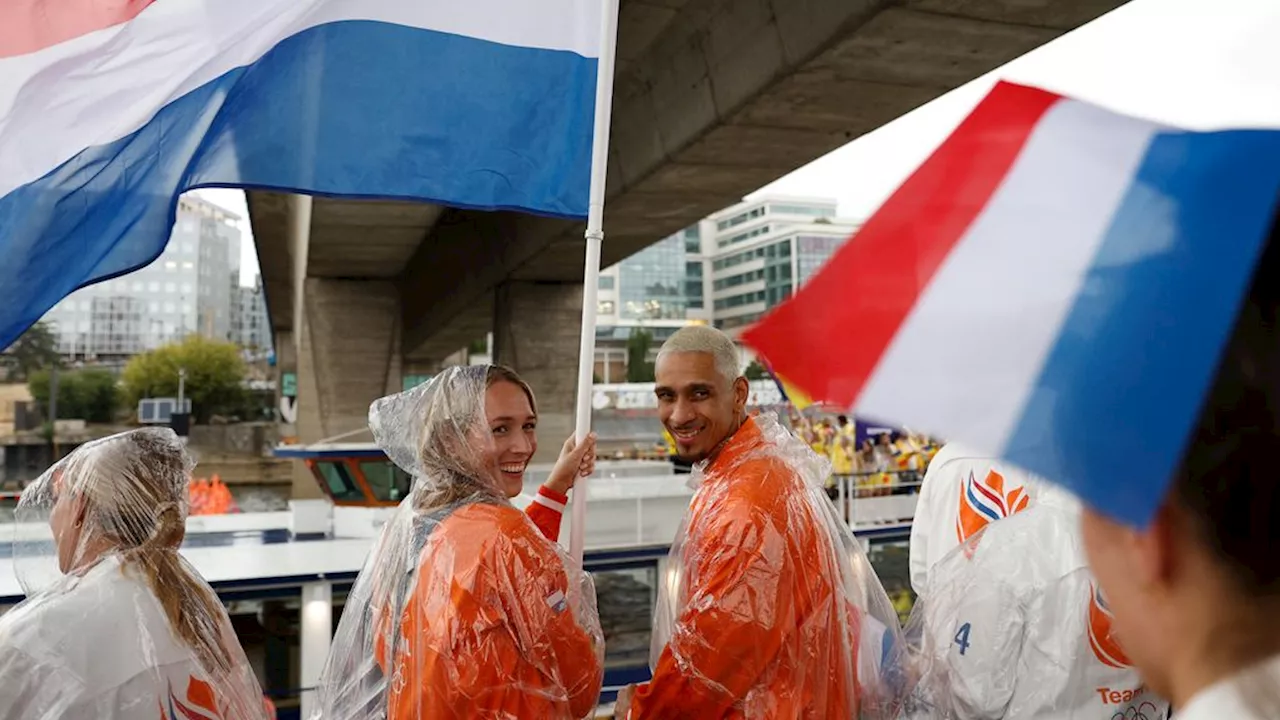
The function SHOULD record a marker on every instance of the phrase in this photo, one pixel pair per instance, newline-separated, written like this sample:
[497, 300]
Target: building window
[813, 251]
[651, 282]
[693, 293]
[605, 282]
[737, 322]
[805, 210]
[693, 239]
[170, 265]
[605, 307]
[742, 237]
[740, 218]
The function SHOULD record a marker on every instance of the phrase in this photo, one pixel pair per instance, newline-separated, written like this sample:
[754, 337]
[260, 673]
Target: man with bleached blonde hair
[765, 614]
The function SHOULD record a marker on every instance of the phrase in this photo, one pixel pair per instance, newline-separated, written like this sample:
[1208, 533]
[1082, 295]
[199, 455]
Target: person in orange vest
[465, 608]
[772, 610]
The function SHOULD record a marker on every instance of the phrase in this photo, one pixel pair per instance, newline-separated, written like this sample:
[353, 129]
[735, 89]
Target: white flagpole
[591, 272]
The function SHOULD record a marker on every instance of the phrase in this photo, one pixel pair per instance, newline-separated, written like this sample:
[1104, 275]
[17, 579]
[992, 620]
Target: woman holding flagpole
[464, 608]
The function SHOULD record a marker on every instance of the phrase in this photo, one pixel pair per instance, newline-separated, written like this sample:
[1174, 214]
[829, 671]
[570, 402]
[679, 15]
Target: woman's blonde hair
[135, 490]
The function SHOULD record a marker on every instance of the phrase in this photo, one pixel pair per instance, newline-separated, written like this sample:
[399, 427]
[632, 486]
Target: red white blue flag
[1054, 285]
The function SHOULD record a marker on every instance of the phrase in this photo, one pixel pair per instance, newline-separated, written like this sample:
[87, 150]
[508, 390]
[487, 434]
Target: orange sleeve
[546, 511]
[550, 623]
[732, 626]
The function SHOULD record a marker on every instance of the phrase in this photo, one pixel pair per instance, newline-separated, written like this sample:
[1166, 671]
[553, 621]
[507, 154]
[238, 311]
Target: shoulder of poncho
[82, 614]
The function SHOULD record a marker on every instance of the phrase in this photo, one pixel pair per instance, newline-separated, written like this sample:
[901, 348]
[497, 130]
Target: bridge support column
[315, 631]
[536, 331]
[348, 355]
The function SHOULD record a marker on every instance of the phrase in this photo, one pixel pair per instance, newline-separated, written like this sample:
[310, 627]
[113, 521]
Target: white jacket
[99, 647]
[962, 492]
[1011, 626]
[1253, 694]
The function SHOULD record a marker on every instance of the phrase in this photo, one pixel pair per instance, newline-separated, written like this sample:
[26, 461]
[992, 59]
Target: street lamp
[182, 386]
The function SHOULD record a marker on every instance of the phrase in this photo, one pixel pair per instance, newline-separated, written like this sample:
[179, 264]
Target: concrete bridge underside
[713, 99]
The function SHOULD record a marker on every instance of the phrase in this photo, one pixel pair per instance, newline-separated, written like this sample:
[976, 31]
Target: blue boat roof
[330, 451]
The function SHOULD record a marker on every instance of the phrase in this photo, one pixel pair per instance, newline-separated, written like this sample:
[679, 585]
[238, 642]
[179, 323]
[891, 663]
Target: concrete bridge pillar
[348, 355]
[536, 331]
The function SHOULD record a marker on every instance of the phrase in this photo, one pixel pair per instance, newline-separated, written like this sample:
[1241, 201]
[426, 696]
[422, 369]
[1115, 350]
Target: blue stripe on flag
[1121, 390]
[354, 109]
[977, 504]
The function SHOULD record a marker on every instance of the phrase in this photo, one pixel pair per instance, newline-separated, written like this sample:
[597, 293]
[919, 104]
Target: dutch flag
[1054, 285]
[109, 110]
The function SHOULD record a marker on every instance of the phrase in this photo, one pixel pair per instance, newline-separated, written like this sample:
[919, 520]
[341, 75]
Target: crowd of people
[878, 464]
[1031, 606]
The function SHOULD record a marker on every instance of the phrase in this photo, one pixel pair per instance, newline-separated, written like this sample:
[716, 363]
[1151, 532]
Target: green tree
[91, 394]
[639, 369]
[35, 349]
[755, 371]
[215, 376]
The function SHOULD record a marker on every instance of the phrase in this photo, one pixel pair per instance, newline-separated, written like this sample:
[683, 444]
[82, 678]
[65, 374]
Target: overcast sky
[1200, 64]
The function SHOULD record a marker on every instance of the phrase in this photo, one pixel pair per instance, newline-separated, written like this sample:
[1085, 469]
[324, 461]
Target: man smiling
[758, 619]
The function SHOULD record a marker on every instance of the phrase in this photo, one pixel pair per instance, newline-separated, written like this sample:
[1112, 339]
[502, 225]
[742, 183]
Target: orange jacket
[763, 627]
[546, 511]
[488, 630]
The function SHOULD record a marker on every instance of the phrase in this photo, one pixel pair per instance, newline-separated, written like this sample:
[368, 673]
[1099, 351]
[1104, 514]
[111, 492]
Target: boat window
[387, 481]
[337, 479]
[626, 599]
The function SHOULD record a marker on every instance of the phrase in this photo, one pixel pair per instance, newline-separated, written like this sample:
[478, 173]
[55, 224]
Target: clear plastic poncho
[463, 609]
[771, 608]
[1012, 625]
[116, 624]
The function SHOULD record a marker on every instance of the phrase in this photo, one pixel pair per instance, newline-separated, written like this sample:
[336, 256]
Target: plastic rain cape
[463, 609]
[770, 608]
[1012, 625]
[116, 624]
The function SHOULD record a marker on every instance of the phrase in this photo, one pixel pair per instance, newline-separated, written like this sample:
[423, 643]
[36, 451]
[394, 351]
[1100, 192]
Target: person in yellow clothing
[842, 453]
[772, 610]
[465, 607]
[842, 447]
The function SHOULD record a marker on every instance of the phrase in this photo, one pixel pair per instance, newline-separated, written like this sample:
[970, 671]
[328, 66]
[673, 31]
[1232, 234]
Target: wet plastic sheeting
[1012, 625]
[770, 603]
[463, 609]
[116, 624]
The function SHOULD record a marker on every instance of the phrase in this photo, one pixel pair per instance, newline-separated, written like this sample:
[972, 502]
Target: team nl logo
[983, 502]
[200, 703]
[1101, 638]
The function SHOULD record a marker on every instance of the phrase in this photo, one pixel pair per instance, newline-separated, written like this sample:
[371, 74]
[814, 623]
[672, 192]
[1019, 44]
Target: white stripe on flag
[968, 354]
[100, 87]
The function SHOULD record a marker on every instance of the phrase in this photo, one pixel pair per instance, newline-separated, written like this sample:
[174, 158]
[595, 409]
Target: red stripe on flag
[828, 337]
[30, 25]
